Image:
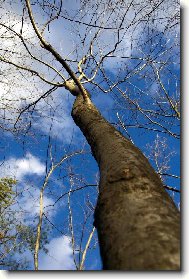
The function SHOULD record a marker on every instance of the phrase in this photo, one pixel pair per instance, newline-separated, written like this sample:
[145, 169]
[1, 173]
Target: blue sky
[26, 156]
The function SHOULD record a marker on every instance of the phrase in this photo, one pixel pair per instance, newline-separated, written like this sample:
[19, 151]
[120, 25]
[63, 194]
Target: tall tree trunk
[137, 221]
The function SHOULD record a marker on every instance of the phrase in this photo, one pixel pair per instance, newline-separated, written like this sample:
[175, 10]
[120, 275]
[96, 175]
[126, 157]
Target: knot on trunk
[119, 173]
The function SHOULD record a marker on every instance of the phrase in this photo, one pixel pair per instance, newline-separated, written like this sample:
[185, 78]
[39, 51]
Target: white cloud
[19, 168]
[60, 255]
[62, 127]
[29, 165]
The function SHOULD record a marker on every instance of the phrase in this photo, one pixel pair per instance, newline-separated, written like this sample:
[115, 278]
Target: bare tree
[15, 235]
[136, 220]
[53, 167]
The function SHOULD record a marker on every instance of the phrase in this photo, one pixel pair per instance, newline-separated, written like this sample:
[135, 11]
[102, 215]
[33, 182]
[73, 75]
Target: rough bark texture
[137, 222]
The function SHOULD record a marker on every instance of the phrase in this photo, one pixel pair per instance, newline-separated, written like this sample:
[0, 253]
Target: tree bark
[137, 222]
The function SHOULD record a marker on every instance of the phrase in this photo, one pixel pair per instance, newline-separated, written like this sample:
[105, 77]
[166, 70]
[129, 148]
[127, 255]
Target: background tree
[127, 50]
[15, 235]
